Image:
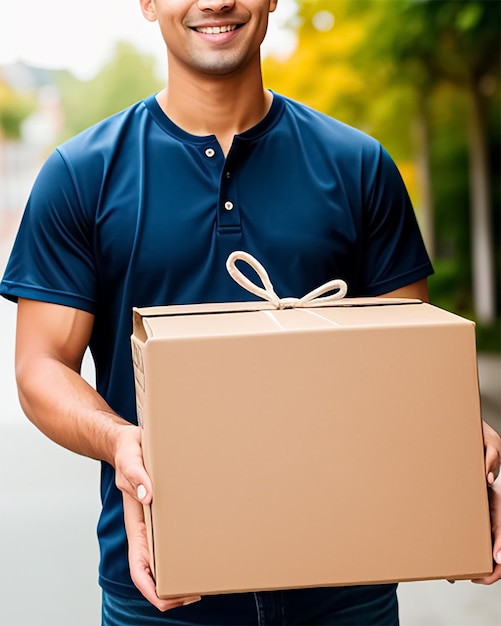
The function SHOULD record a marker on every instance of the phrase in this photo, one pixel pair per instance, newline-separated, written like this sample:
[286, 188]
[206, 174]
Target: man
[143, 209]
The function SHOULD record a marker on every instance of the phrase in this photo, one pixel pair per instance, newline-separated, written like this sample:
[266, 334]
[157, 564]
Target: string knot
[314, 298]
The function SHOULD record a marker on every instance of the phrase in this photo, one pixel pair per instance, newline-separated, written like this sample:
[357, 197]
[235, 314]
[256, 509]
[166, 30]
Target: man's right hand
[130, 473]
[135, 484]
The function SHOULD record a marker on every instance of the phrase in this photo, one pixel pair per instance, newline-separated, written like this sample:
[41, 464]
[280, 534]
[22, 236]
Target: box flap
[258, 305]
[138, 329]
[260, 318]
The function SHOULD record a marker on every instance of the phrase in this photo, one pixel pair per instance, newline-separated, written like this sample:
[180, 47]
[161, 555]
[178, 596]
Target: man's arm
[50, 344]
[417, 291]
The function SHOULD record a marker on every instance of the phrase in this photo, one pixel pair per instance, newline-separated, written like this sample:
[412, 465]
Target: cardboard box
[310, 447]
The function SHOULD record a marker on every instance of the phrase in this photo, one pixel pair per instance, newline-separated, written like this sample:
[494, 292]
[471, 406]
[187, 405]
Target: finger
[496, 552]
[135, 482]
[139, 486]
[139, 563]
[496, 574]
[142, 493]
[492, 445]
[145, 583]
[134, 523]
[489, 580]
[492, 462]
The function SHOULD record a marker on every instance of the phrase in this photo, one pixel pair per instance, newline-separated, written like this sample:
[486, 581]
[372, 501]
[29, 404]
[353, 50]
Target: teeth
[216, 30]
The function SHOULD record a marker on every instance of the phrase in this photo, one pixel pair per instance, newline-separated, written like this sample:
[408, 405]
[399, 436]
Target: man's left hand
[492, 446]
[495, 507]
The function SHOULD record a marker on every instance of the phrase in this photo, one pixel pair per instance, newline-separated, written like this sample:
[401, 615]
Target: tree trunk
[424, 172]
[480, 211]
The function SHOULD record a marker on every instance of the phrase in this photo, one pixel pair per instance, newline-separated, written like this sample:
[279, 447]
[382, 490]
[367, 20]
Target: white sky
[79, 36]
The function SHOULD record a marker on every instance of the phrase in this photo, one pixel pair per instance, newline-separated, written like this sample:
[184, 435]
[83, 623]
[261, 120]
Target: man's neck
[220, 106]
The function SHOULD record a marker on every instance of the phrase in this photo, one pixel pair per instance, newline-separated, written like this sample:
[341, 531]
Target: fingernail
[192, 600]
[141, 492]
[490, 478]
[498, 558]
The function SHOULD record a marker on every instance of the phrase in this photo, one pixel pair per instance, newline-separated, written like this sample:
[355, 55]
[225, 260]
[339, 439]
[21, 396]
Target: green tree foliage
[125, 79]
[438, 39]
[14, 109]
[333, 69]
[320, 71]
[434, 45]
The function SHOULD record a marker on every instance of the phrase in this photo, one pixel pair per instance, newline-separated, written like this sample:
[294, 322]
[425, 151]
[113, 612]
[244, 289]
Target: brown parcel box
[314, 447]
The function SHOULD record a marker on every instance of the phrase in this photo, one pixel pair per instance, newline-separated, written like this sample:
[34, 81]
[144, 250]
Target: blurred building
[20, 159]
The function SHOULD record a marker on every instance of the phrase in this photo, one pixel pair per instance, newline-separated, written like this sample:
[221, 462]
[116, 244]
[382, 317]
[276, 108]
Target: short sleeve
[52, 259]
[394, 252]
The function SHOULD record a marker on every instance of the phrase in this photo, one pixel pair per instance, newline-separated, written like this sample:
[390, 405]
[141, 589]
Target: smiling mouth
[216, 30]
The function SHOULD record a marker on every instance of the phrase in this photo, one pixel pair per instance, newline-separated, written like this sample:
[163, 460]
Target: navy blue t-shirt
[137, 212]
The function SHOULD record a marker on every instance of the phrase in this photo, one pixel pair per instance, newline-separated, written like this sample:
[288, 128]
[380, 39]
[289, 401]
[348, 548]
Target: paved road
[50, 506]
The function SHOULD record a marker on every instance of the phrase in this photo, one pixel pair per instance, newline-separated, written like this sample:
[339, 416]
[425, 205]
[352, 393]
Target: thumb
[130, 474]
[136, 483]
[492, 445]
[497, 553]
[143, 495]
[140, 484]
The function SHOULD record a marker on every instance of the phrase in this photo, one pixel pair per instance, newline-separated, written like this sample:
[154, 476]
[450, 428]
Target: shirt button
[210, 152]
[228, 205]
[228, 174]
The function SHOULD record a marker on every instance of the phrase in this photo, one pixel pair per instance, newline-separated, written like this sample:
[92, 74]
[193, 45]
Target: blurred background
[422, 76]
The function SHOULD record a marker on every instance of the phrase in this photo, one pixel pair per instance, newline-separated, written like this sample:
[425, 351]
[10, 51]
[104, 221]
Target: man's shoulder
[327, 126]
[83, 161]
[104, 136]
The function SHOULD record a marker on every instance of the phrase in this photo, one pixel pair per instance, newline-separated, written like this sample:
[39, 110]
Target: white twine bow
[311, 299]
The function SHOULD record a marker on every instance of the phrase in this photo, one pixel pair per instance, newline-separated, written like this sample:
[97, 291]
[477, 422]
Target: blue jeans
[374, 605]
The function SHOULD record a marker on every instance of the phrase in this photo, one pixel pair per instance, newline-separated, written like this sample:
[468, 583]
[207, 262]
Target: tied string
[314, 298]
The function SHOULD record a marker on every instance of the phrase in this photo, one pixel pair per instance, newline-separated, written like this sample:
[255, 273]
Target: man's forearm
[68, 410]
